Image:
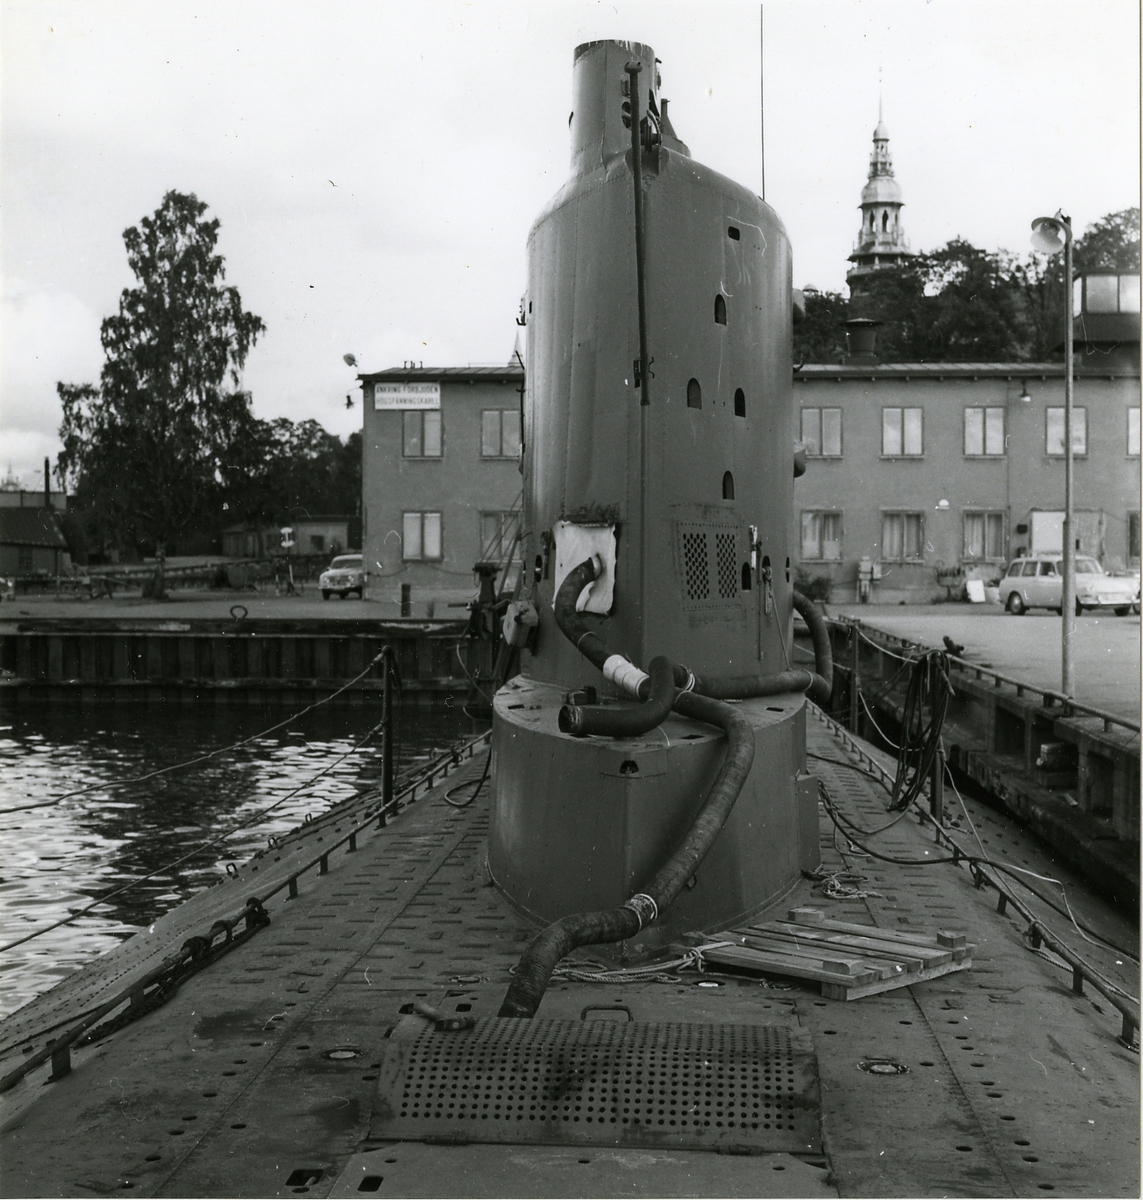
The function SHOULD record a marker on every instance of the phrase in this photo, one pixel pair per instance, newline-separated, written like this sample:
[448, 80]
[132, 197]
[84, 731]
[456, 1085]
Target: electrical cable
[191, 762]
[873, 721]
[197, 850]
[480, 783]
[920, 740]
[840, 762]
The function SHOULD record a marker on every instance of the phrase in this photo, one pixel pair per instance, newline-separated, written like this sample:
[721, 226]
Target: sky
[376, 166]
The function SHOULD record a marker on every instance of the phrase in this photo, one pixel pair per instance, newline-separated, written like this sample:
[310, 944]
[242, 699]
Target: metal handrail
[1038, 932]
[1069, 706]
[59, 1050]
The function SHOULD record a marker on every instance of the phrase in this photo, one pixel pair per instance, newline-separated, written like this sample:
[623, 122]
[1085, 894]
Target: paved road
[189, 604]
[1027, 647]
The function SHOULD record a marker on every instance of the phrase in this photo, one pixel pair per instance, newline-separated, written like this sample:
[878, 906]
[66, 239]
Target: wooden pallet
[847, 960]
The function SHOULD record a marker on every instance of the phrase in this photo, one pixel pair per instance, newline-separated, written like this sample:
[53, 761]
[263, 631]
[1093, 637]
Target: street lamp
[1049, 236]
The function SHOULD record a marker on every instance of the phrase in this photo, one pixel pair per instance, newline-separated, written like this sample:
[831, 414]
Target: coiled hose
[613, 925]
[701, 700]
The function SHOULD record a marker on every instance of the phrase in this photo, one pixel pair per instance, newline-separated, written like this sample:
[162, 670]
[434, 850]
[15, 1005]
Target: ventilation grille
[727, 558]
[695, 568]
[708, 566]
[602, 1083]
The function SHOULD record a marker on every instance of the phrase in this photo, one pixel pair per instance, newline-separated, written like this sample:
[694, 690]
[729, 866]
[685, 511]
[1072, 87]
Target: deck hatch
[602, 1083]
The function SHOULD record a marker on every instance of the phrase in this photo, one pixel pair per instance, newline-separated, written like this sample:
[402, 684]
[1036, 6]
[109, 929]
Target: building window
[498, 538]
[821, 432]
[984, 535]
[422, 537]
[821, 536]
[23, 558]
[901, 432]
[902, 536]
[1055, 434]
[1133, 433]
[500, 433]
[422, 434]
[317, 543]
[983, 431]
[1133, 537]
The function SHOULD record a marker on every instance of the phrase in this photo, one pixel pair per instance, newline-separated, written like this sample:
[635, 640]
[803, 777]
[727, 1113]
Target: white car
[345, 574]
[1038, 582]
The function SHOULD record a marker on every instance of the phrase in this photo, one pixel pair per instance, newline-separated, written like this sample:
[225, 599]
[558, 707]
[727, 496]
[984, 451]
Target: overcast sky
[376, 166]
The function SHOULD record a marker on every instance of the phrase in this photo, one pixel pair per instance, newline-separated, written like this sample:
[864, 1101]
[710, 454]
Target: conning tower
[658, 434]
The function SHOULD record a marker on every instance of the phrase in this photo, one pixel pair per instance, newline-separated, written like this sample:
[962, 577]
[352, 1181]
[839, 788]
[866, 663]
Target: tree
[1111, 244]
[283, 468]
[820, 336]
[963, 304]
[147, 450]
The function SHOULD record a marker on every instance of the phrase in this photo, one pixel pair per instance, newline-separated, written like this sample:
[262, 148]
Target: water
[60, 858]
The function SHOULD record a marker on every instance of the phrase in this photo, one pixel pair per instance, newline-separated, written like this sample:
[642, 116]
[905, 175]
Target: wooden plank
[941, 938]
[834, 986]
[886, 964]
[880, 964]
[55, 658]
[835, 991]
[740, 956]
[883, 946]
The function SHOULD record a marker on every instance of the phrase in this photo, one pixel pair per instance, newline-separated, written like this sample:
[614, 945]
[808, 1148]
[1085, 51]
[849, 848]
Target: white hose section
[625, 674]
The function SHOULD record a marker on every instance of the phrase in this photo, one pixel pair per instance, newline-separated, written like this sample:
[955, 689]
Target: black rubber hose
[822, 687]
[745, 687]
[613, 925]
[574, 628]
[632, 720]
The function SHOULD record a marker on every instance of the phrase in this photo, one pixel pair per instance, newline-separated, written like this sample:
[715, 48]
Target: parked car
[345, 574]
[1038, 582]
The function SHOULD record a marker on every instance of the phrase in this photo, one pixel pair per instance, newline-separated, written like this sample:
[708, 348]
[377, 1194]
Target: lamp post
[1050, 235]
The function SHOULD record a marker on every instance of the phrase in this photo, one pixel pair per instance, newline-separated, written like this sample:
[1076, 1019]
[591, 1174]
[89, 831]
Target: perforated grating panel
[602, 1083]
[695, 566]
[726, 556]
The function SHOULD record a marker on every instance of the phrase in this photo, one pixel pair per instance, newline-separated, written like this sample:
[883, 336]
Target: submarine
[686, 935]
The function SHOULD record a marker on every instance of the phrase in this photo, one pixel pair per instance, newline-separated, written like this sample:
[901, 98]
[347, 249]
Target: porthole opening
[746, 581]
[728, 486]
[694, 394]
[719, 310]
[733, 233]
[739, 402]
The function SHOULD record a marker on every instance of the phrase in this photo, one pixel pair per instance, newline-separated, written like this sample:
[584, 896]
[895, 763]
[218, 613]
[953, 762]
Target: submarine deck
[1015, 1084]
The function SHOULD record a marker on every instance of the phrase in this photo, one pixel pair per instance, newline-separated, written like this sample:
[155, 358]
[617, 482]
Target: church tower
[881, 243]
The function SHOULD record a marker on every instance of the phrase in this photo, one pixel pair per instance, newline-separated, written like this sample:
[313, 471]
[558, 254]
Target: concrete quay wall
[224, 661]
[1069, 775]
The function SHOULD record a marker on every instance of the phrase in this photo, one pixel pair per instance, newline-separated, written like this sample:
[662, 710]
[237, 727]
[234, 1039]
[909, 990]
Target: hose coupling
[570, 720]
[644, 908]
[624, 674]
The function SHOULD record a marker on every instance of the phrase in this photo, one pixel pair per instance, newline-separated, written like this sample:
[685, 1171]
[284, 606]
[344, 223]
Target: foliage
[819, 337]
[1111, 244]
[284, 470]
[963, 304]
[147, 451]
[814, 587]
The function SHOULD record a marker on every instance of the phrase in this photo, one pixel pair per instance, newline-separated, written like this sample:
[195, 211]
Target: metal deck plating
[602, 1083]
[1015, 1085]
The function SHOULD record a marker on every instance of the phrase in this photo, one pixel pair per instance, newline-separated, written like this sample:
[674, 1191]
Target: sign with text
[406, 395]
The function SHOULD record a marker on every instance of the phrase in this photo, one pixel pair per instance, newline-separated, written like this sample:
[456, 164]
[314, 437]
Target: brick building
[440, 480]
[931, 469]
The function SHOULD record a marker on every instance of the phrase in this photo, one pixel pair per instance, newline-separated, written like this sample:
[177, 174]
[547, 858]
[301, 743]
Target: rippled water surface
[58, 859]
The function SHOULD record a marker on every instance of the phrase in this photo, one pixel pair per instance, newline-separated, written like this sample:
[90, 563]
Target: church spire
[881, 241]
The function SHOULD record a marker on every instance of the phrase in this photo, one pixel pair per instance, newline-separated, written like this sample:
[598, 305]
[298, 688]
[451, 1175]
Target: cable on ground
[448, 796]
